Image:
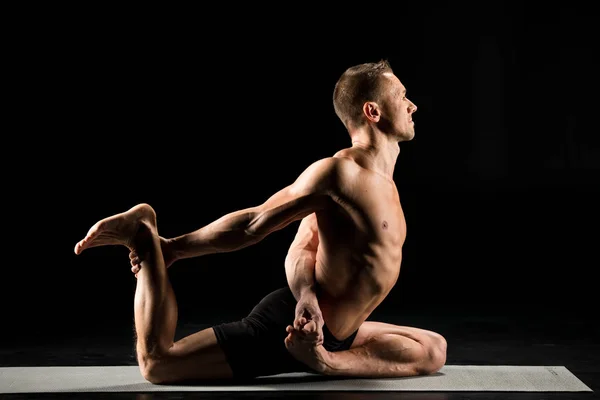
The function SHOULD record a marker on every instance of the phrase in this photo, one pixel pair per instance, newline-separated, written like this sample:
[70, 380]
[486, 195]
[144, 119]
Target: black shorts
[255, 345]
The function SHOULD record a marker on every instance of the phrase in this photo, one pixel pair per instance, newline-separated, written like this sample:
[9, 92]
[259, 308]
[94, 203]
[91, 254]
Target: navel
[384, 225]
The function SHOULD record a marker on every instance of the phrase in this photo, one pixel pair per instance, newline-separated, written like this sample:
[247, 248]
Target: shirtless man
[343, 262]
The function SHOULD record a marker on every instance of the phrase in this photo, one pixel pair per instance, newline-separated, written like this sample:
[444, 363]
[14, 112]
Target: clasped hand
[308, 321]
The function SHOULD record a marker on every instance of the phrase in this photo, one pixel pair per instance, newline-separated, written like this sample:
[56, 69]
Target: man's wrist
[308, 291]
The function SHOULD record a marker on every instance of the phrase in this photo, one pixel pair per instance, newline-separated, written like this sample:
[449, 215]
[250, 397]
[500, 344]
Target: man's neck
[382, 152]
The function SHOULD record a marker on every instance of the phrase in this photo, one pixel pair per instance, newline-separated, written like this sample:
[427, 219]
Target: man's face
[397, 110]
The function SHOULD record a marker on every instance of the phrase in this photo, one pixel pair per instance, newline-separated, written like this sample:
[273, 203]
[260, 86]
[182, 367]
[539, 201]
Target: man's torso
[361, 235]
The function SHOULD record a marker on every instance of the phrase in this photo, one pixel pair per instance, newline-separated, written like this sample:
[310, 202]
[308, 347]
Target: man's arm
[302, 258]
[300, 266]
[236, 230]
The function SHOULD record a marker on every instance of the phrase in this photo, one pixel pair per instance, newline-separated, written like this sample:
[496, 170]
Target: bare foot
[118, 229]
[306, 351]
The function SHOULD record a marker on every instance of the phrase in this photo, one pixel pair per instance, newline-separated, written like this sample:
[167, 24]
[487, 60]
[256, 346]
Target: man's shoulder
[343, 153]
[332, 165]
[325, 174]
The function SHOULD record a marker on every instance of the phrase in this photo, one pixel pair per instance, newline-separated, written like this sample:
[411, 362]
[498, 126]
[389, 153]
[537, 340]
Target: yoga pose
[342, 263]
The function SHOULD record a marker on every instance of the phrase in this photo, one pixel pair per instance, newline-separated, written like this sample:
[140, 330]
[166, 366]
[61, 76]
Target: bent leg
[195, 357]
[386, 350]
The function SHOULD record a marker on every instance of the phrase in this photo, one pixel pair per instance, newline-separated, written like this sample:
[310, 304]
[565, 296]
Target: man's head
[370, 93]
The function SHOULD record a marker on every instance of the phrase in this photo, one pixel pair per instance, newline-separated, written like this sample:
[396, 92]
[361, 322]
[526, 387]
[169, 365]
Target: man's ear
[371, 111]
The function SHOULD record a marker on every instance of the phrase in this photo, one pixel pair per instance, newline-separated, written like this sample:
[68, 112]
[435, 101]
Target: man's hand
[167, 251]
[308, 322]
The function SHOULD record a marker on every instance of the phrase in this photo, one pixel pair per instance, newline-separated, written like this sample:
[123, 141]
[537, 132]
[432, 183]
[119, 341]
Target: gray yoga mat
[450, 378]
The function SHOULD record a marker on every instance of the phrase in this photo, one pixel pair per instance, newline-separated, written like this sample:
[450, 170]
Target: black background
[204, 111]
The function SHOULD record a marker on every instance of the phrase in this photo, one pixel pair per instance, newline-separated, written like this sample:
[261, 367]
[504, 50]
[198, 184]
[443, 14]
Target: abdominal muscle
[348, 295]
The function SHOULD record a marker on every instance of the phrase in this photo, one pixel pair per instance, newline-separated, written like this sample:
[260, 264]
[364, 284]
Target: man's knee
[152, 366]
[155, 371]
[147, 371]
[424, 356]
[436, 349]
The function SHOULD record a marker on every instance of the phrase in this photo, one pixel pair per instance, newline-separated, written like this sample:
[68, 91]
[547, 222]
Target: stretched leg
[161, 360]
[379, 350]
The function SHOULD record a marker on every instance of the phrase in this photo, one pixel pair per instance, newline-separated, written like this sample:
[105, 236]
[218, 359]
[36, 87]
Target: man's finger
[311, 335]
[310, 327]
[299, 323]
[313, 340]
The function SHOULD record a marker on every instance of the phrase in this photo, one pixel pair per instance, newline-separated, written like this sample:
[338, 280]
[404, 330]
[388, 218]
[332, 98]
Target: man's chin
[407, 137]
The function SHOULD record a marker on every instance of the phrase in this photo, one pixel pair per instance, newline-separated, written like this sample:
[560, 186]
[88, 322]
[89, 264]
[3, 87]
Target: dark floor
[529, 337]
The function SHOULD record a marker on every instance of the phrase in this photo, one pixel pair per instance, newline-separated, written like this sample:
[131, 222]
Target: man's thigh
[407, 350]
[254, 346]
[372, 330]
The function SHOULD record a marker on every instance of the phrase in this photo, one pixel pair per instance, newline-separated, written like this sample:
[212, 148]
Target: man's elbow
[255, 225]
[253, 235]
[256, 229]
[264, 224]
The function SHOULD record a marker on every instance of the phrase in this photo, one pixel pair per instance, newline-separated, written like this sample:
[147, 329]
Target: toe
[79, 247]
